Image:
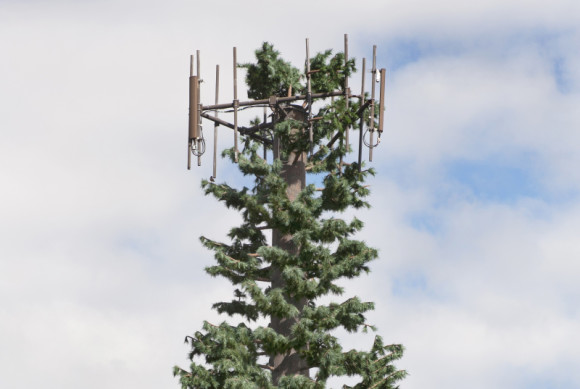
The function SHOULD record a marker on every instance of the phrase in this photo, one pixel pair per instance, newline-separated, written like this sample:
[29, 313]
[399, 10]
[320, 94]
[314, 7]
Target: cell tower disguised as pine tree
[311, 248]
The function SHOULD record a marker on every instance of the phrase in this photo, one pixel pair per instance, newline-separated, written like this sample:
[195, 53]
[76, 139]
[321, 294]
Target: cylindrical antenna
[198, 64]
[191, 65]
[193, 108]
[236, 102]
[309, 96]
[372, 116]
[189, 124]
[215, 126]
[382, 102]
[199, 140]
[265, 119]
[346, 91]
[362, 116]
[308, 65]
[276, 138]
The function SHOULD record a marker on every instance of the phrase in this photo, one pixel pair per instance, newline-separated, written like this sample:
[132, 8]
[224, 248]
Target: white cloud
[101, 271]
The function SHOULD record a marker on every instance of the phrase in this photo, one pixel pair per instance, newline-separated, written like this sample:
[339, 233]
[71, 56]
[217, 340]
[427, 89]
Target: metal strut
[263, 132]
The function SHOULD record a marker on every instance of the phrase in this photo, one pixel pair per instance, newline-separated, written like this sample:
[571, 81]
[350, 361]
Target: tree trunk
[295, 175]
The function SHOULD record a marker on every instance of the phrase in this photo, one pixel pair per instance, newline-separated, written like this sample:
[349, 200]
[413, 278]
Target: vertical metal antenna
[346, 90]
[215, 126]
[198, 64]
[309, 97]
[382, 101]
[372, 116]
[195, 140]
[265, 119]
[236, 104]
[362, 118]
[191, 65]
[200, 140]
[276, 138]
[190, 113]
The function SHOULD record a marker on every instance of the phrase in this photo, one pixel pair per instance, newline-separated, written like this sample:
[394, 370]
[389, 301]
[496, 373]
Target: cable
[367, 144]
[198, 145]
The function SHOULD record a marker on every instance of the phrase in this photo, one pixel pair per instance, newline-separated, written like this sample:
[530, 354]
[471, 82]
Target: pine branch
[233, 259]
[378, 383]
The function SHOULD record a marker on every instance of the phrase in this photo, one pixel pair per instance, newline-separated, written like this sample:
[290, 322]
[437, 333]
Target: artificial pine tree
[312, 249]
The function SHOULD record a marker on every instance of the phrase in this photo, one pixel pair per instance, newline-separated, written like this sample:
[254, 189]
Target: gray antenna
[346, 88]
[200, 140]
[216, 124]
[372, 115]
[196, 144]
[309, 96]
[378, 76]
[362, 109]
[198, 63]
[190, 126]
[236, 104]
[263, 132]
[383, 75]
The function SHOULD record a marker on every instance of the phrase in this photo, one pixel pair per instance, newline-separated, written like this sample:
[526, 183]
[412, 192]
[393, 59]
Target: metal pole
[216, 124]
[189, 132]
[346, 91]
[194, 111]
[262, 133]
[361, 124]
[372, 118]
[236, 103]
[382, 102]
[270, 101]
[200, 137]
[198, 64]
[309, 96]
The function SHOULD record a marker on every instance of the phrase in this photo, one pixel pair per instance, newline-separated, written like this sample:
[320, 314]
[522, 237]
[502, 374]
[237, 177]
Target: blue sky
[476, 206]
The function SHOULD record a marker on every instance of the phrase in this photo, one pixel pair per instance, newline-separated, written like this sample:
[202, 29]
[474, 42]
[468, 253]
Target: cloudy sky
[476, 202]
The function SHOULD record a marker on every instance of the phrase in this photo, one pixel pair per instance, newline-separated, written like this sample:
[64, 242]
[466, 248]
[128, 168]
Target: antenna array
[263, 132]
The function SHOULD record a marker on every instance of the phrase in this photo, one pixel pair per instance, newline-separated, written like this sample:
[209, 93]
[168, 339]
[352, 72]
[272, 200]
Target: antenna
[194, 142]
[281, 108]
[362, 119]
[189, 124]
[372, 115]
[346, 88]
[309, 96]
[383, 76]
[236, 103]
[216, 124]
[200, 146]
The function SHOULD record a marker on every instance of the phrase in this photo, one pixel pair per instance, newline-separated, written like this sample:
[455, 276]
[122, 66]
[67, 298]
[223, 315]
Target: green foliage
[270, 75]
[329, 75]
[228, 356]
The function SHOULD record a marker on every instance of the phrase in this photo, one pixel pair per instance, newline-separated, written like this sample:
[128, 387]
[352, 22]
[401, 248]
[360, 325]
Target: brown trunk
[295, 175]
